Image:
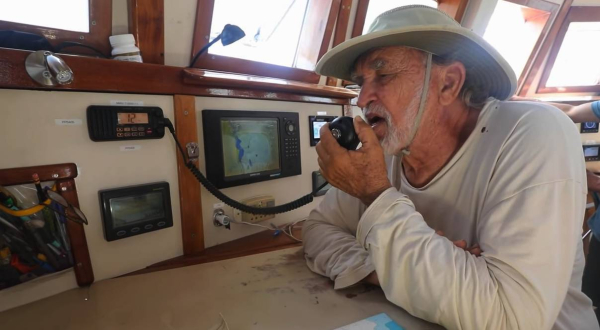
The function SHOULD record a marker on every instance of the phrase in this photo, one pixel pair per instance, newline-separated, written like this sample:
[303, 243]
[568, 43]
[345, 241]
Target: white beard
[396, 137]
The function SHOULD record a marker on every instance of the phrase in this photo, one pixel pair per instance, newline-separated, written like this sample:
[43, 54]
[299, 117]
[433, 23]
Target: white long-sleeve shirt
[516, 187]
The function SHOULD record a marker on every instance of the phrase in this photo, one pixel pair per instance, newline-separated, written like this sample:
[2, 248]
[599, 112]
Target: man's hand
[474, 250]
[361, 173]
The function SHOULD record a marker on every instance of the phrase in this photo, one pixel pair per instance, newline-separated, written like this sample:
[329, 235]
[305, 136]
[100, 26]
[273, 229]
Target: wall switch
[260, 201]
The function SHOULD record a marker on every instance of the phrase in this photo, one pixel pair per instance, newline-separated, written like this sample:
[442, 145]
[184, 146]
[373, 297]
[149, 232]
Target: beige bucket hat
[429, 30]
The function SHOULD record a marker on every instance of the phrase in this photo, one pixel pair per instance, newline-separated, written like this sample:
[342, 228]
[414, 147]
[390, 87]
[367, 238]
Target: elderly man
[441, 151]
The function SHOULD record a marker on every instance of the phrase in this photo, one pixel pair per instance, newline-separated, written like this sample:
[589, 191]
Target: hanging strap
[413, 133]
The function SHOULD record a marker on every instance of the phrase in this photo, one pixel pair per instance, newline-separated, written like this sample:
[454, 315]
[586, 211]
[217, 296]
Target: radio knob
[290, 128]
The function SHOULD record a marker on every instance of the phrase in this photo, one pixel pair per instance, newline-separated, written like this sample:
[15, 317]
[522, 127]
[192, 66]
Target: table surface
[272, 290]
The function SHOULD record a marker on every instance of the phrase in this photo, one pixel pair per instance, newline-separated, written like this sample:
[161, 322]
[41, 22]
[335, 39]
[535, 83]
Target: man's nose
[366, 96]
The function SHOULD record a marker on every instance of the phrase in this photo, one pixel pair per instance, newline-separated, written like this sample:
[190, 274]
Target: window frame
[546, 6]
[576, 14]
[454, 8]
[204, 15]
[100, 29]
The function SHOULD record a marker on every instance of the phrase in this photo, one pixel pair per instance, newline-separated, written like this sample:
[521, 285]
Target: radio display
[132, 118]
[132, 209]
[591, 151]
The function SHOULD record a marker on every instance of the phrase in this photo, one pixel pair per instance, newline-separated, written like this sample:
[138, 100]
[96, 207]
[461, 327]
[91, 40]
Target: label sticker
[321, 113]
[68, 122]
[131, 148]
[218, 206]
[127, 103]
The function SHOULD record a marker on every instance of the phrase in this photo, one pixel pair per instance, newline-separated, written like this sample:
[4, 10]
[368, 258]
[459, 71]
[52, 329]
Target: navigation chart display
[249, 145]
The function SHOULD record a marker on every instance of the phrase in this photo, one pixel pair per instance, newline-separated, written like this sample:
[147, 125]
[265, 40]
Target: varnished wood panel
[359, 19]
[341, 29]
[99, 75]
[63, 175]
[210, 78]
[146, 23]
[192, 230]
[333, 13]
[454, 8]
[81, 255]
[22, 175]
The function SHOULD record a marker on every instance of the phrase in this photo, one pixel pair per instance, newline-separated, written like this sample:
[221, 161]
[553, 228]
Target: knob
[342, 129]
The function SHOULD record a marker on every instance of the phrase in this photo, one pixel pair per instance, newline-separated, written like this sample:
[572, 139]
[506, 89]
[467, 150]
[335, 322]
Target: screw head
[93, 22]
[185, 113]
[81, 37]
[63, 188]
[55, 175]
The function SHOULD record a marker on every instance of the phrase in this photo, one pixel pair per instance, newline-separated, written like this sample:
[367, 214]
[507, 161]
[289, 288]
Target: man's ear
[452, 79]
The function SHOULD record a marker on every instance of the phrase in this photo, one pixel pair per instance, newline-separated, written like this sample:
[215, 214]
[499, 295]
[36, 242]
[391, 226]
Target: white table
[272, 290]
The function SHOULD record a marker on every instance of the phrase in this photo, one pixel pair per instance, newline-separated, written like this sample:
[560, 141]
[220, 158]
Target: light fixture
[230, 34]
[48, 69]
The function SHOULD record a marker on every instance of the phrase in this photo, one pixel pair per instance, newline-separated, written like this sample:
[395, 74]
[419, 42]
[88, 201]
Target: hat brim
[485, 66]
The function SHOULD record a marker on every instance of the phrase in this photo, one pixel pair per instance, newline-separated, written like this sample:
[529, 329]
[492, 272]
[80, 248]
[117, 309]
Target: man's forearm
[434, 280]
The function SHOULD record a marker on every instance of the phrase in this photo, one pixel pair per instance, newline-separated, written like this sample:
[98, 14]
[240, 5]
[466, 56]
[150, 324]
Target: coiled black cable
[229, 201]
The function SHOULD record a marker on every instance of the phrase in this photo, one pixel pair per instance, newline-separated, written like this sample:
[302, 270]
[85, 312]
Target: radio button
[148, 226]
[134, 134]
[121, 233]
[149, 131]
[127, 129]
[127, 134]
[135, 229]
[162, 223]
[119, 129]
[119, 134]
[142, 134]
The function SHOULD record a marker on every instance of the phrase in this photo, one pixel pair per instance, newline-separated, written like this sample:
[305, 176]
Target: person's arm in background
[578, 113]
[593, 181]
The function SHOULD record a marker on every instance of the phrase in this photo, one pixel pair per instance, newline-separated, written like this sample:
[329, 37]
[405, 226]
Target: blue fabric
[596, 108]
[594, 221]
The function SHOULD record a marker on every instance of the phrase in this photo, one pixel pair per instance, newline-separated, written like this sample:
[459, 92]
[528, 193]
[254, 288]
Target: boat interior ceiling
[147, 135]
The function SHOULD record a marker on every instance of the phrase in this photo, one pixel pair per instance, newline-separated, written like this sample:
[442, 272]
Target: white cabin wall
[30, 137]
[284, 190]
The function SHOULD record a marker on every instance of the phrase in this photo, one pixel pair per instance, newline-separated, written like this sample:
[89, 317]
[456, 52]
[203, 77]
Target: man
[438, 154]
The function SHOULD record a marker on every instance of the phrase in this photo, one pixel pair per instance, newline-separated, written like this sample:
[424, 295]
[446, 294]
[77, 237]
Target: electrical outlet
[260, 201]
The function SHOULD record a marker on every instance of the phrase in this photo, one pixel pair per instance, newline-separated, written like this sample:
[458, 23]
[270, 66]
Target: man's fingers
[461, 244]
[365, 133]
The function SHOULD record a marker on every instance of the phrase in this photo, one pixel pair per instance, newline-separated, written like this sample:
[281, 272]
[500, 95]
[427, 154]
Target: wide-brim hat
[429, 30]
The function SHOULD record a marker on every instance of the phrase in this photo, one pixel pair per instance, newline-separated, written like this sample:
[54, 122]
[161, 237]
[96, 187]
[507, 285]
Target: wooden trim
[22, 175]
[341, 28]
[254, 244]
[530, 76]
[455, 8]
[192, 231]
[100, 75]
[359, 19]
[576, 14]
[146, 23]
[81, 254]
[204, 14]
[211, 78]
[333, 13]
[238, 65]
[553, 10]
[63, 175]
[100, 30]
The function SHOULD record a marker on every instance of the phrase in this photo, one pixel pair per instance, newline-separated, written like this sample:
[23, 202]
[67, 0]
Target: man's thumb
[365, 133]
